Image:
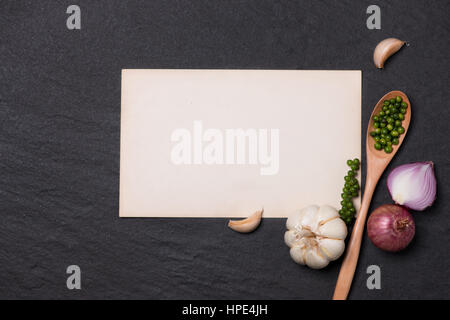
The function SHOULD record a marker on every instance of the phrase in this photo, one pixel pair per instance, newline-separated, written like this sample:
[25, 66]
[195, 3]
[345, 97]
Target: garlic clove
[297, 254]
[246, 225]
[309, 219]
[290, 238]
[325, 214]
[332, 248]
[315, 259]
[294, 220]
[385, 49]
[335, 229]
[297, 218]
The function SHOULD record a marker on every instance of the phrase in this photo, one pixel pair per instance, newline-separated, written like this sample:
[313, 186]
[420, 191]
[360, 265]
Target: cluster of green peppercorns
[387, 124]
[350, 191]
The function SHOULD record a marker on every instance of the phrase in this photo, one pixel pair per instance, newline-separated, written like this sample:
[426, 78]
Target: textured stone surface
[59, 145]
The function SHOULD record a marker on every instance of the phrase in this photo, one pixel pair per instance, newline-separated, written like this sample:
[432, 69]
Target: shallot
[391, 227]
[413, 185]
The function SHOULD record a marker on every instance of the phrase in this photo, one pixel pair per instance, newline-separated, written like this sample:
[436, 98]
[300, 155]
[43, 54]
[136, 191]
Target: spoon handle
[348, 267]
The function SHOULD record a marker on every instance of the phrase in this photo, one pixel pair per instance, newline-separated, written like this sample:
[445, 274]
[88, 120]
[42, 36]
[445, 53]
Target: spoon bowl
[377, 161]
[405, 123]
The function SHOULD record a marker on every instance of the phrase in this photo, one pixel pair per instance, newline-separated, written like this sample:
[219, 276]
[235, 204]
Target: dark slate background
[60, 129]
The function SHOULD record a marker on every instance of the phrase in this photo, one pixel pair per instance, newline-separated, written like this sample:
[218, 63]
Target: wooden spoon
[377, 161]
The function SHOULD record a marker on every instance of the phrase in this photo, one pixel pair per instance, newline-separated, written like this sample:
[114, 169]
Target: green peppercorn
[387, 125]
[349, 191]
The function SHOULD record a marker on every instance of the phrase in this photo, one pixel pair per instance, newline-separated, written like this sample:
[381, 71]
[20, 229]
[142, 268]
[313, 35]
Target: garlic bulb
[316, 236]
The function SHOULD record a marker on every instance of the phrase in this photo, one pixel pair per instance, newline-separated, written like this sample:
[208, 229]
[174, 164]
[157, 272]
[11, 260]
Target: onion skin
[391, 228]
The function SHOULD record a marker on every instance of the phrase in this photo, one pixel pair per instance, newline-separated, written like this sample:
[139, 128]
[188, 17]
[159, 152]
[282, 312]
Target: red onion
[391, 227]
[413, 185]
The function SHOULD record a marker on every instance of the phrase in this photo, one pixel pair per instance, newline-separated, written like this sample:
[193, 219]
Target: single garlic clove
[290, 238]
[309, 220]
[246, 225]
[315, 259]
[332, 248]
[335, 229]
[326, 212]
[296, 218]
[385, 49]
[298, 254]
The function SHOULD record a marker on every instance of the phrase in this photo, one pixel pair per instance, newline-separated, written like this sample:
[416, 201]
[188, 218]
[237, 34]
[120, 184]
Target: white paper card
[225, 143]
